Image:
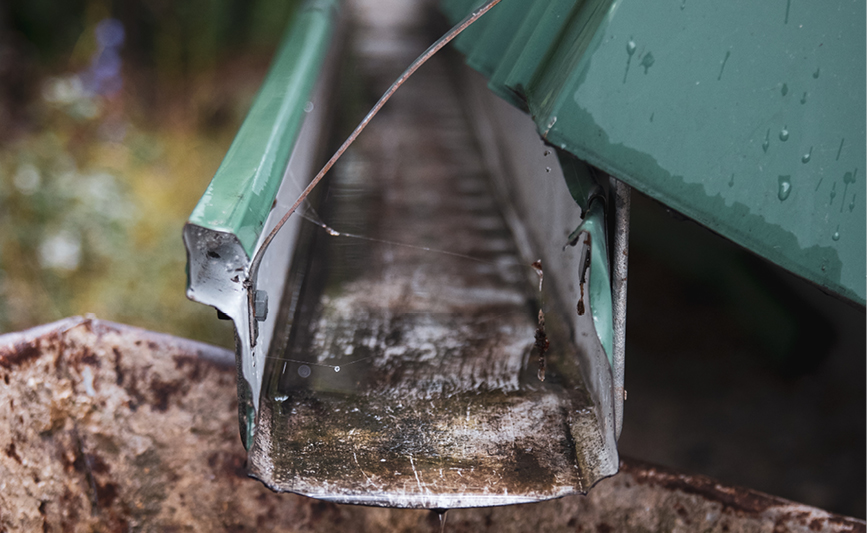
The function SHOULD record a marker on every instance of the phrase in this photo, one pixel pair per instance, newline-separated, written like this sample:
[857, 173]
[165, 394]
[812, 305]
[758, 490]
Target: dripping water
[442, 515]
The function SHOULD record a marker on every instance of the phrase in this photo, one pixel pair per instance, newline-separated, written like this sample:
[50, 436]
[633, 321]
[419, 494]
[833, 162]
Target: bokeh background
[114, 116]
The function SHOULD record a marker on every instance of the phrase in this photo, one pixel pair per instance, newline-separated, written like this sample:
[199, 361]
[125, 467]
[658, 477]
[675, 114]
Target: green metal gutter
[241, 194]
[225, 228]
[747, 117]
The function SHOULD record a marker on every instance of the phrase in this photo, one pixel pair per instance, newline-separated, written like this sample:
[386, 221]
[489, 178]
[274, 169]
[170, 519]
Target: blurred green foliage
[95, 188]
[176, 36]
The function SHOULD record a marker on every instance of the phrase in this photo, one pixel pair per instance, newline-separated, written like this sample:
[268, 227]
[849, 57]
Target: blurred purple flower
[110, 33]
[104, 75]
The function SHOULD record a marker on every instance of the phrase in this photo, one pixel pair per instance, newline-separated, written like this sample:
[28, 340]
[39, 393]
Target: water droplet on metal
[852, 204]
[767, 141]
[785, 90]
[647, 61]
[785, 187]
[784, 134]
[723, 64]
[836, 235]
[833, 192]
[816, 74]
[442, 516]
[630, 49]
[732, 180]
[804, 98]
[304, 371]
[806, 157]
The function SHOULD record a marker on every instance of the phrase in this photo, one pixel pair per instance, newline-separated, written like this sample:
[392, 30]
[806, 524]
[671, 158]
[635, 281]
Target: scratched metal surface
[407, 375]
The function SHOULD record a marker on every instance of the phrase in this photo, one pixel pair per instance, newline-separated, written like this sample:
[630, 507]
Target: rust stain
[118, 367]
[542, 344]
[740, 501]
[228, 464]
[19, 354]
[195, 364]
[10, 452]
[581, 301]
[734, 498]
[163, 392]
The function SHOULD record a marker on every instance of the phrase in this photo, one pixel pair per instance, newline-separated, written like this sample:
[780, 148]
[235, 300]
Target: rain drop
[647, 62]
[852, 204]
[833, 192]
[732, 180]
[785, 89]
[767, 142]
[806, 157]
[630, 50]
[442, 516]
[304, 371]
[785, 187]
[337, 369]
[723, 64]
[804, 98]
[816, 74]
[784, 134]
[836, 235]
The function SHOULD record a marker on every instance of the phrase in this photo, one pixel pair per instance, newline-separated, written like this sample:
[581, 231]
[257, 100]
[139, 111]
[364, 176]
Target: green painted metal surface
[747, 117]
[589, 195]
[241, 194]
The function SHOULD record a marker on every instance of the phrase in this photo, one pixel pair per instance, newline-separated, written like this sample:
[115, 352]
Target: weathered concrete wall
[105, 427]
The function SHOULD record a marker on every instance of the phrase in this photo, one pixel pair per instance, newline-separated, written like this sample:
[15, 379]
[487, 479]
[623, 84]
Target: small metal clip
[260, 306]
